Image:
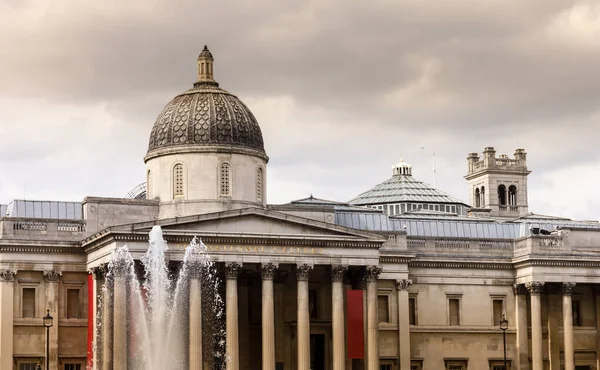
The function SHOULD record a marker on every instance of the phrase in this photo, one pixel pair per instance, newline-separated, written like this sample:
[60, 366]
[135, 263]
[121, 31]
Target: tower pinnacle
[205, 66]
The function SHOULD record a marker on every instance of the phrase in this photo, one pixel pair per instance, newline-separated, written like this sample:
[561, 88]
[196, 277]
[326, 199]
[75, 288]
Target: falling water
[158, 308]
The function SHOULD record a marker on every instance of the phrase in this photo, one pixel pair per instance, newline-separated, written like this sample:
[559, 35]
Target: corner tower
[206, 151]
[498, 185]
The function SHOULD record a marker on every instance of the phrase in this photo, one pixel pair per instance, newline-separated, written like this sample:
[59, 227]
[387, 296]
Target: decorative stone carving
[567, 288]
[7, 275]
[338, 272]
[535, 287]
[268, 270]
[302, 271]
[98, 272]
[52, 276]
[373, 273]
[403, 284]
[232, 270]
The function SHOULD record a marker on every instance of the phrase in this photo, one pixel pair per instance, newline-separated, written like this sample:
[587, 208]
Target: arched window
[225, 180]
[149, 186]
[178, 181]
[482, 196]
[477, 198]
[502, 195]
[512, 195]
[259, 185]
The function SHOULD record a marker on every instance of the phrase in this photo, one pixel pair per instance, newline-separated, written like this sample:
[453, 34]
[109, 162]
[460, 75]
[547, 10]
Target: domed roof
[205, 115]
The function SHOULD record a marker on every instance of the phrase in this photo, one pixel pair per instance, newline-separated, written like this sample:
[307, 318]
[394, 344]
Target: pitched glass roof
[45, 209]
[403, 188]
[431, 225]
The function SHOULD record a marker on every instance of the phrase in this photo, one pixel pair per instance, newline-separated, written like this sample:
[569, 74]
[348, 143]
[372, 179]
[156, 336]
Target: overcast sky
[341, 89]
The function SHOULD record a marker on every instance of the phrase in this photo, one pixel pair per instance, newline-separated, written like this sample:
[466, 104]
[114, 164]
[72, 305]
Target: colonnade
[113, 353]
[536, 290]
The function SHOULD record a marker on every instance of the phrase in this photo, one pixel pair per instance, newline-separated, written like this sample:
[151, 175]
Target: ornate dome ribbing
[205, 115]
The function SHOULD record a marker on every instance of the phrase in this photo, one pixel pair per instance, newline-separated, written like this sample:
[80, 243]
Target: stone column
[7, 278]
[372, 320]
[403, 323]
[107, 324]
[346, 285]
[535, 290]
[233, 350]
[51, 292]
[522, 358]
[98, 274]
[553, 305]
[195, 345]
[120, 315]
[337, 315]
[567, 290]
[597, 296]
[303, 335]
[268, 327]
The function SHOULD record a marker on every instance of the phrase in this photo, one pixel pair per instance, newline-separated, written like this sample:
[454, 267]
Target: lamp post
[504, 326]
[48, 324]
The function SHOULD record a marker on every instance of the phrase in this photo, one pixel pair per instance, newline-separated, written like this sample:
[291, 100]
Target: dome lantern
[205, 67]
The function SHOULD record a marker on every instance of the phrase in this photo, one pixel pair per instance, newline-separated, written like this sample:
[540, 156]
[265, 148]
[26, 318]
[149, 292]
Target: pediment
[248, 222]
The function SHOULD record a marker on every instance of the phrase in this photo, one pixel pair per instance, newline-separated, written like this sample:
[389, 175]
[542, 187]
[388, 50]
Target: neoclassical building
[402, 277]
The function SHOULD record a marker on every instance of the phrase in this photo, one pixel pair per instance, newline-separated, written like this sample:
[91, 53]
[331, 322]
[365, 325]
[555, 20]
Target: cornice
[219, 148]
[462, 265]
[556, 263]
[390, 259]
[16, 248]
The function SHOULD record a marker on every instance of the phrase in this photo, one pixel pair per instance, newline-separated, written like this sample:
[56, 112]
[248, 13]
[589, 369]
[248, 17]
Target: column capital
[7, 275]
[232, 270]
[268, 270]
[373, 273]
[535, 287]
[98, 272]
[338, 272]
[567, 288]
[302, 271]
[52, 276]
[403, 284]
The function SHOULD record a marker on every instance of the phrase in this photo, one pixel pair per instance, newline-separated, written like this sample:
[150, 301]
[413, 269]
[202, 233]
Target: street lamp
[504, 326]
[48, 324]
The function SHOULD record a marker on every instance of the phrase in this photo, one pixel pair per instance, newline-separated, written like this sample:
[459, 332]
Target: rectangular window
[499, 365]
[576, 308]
[416, 365]
[453, 209]
[73, 367]
[28, 309]
[73, 304]
[383, 308]
[397, 209]
[403, 208]
[412, 311]
[27, 366]
[454, 311]
[498, 311]
[456, 365]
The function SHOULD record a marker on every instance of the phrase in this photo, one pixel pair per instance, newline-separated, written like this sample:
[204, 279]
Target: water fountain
[159, 322]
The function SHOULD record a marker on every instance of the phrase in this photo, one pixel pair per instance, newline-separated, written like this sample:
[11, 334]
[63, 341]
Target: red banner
[356, 348]
[90, 332]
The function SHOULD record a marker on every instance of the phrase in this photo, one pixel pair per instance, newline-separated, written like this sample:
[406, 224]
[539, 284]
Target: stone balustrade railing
[34, 229]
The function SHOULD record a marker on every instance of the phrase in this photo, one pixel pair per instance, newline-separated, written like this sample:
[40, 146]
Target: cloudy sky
[341, 89]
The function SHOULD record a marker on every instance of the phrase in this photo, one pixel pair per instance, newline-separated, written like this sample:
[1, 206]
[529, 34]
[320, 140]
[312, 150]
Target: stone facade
[296, 277]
